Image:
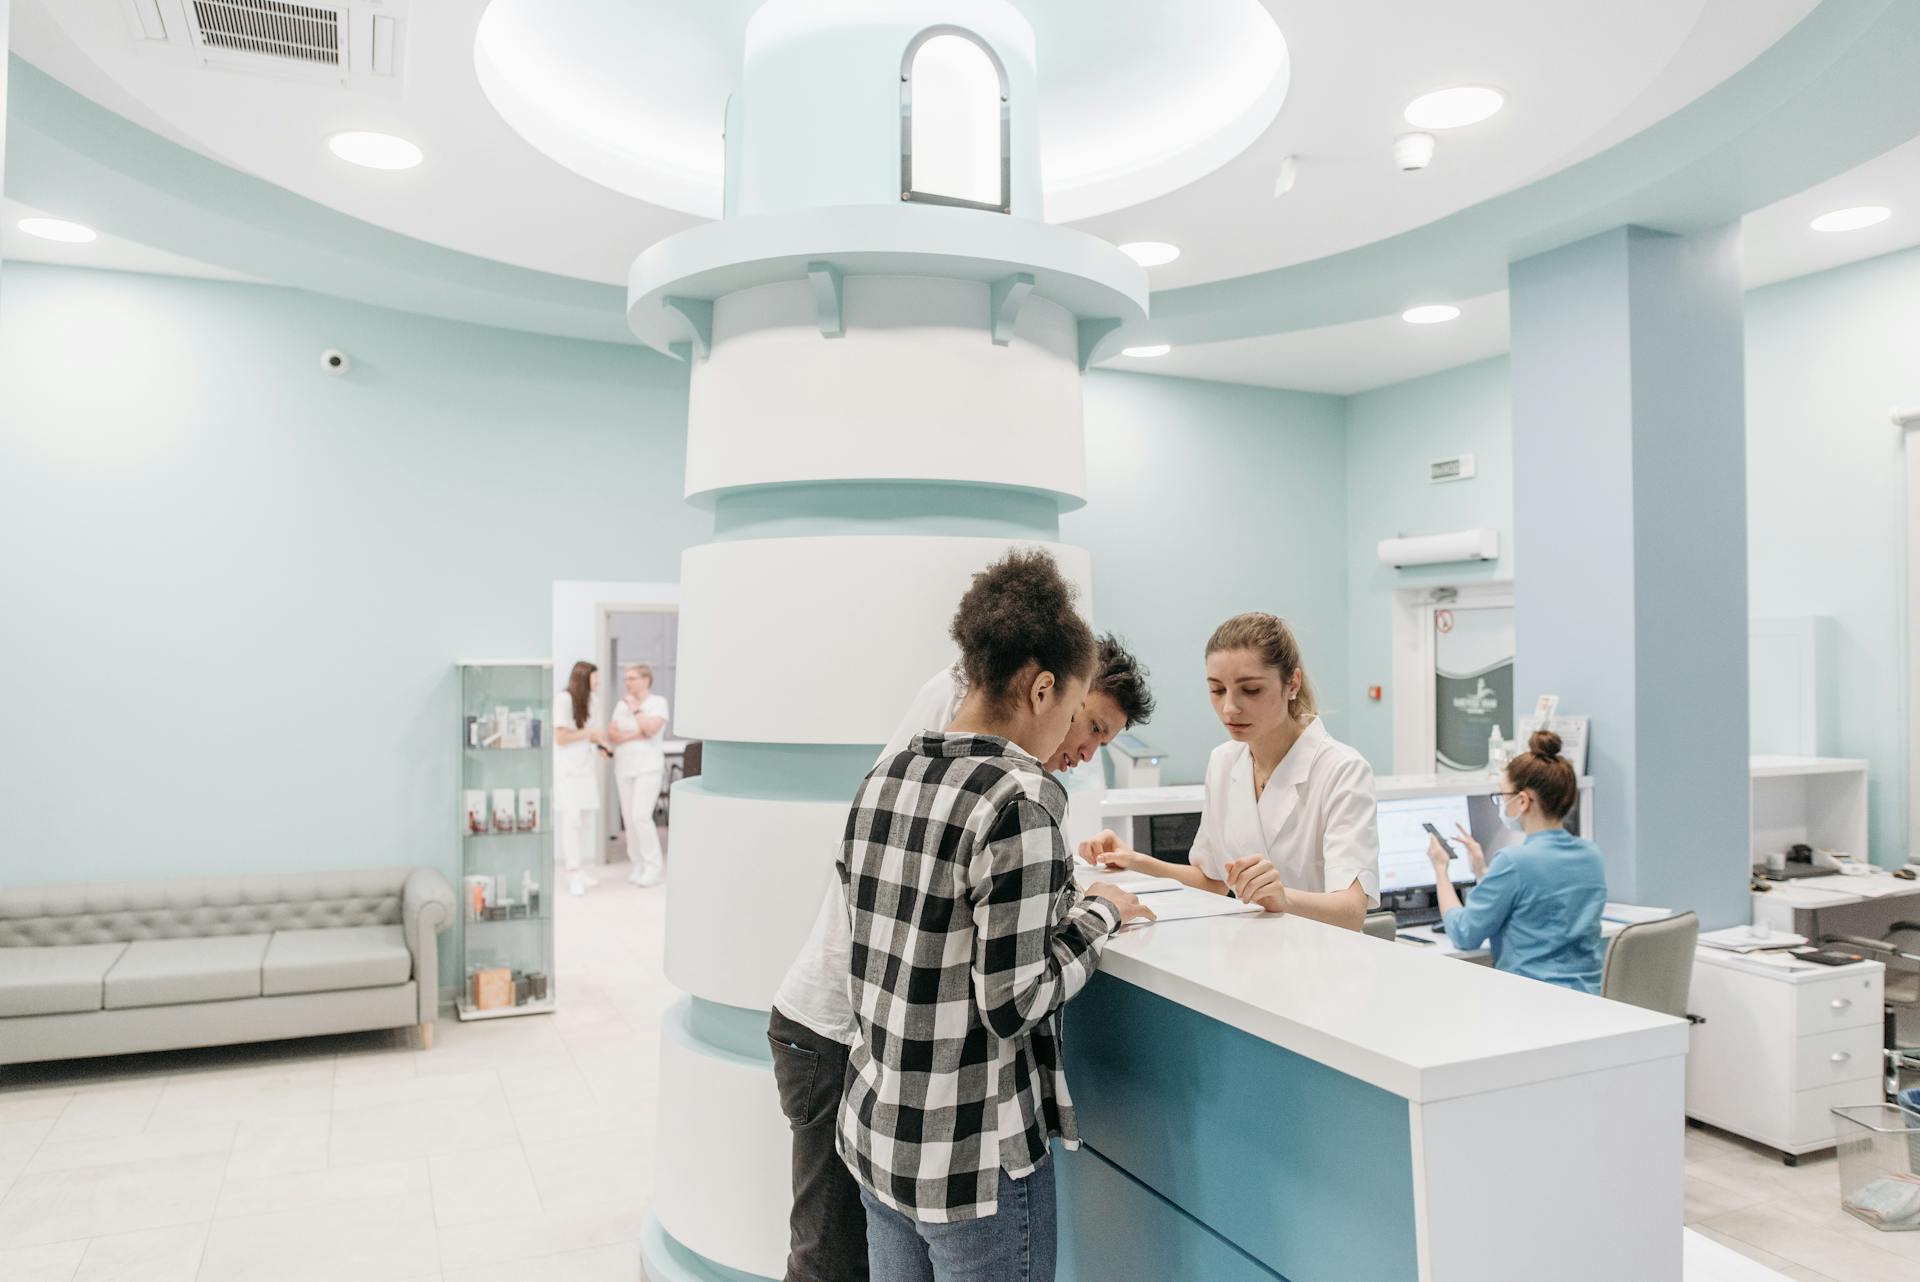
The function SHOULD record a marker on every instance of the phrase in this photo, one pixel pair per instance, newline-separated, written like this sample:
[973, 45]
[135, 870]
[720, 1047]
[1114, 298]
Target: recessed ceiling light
[375, 151]
[1151, 349]
[1852, 219]
[1453, 108]
[57, 229]
[1431, 314]
[1151, 253]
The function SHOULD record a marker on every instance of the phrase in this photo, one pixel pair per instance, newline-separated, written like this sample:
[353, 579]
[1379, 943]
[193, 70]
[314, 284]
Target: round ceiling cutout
[1138, 98]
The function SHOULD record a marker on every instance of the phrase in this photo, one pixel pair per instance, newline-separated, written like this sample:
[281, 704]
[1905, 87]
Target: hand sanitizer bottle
[1496, 751]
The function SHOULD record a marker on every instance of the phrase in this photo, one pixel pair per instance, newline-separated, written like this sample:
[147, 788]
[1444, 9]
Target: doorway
[1453, 652]
[627, 635]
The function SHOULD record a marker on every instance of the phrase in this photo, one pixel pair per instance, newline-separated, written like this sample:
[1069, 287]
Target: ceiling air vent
[357, 45]
[308, 33]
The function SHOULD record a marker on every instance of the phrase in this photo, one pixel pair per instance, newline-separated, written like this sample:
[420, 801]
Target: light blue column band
[718, 1029]
[887, 507]
[784, 771]
[664, 1260]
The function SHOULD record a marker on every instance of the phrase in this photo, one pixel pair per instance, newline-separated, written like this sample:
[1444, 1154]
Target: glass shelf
[518, 781]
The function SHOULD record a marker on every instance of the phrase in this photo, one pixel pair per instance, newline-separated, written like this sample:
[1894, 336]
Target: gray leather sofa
[109, 968]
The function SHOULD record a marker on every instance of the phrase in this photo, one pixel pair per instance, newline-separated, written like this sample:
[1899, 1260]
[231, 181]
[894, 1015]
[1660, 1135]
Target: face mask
[1514, 823]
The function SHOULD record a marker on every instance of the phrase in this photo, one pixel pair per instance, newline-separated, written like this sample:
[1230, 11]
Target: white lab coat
[1315, 820]
[576, 776]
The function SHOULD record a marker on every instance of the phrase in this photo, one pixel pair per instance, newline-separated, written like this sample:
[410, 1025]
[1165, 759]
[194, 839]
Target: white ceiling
[109, 252]
[1776, 242]
[1341, 359]
[1579, 77]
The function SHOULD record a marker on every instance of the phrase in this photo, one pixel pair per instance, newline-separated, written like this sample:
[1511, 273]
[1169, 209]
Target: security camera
[1413, 151]
[334, 361]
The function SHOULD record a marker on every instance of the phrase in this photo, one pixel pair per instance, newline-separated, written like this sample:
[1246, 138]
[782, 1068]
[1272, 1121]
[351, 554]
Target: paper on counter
[1744, 939]
[1188, 904]
[1134, 883]
[1633, 914]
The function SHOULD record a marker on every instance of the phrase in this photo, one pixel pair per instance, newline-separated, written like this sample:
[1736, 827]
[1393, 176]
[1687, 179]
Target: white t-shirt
[1315, 819]
[814, 993]
[576, 786]
[639, 756]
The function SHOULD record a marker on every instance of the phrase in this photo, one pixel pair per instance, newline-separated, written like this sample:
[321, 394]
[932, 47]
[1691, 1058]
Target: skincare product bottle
[1496, 752]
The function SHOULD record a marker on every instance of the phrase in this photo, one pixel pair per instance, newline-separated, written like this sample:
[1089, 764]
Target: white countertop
[1836, 889]
[1169, 799]
[1381, 1012]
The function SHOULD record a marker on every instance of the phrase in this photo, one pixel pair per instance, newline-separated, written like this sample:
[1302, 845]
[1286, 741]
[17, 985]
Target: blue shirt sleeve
[1486, 909]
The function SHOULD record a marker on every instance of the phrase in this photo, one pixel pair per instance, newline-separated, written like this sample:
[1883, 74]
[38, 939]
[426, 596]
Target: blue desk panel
[1300, 1167]
[1114, 1228]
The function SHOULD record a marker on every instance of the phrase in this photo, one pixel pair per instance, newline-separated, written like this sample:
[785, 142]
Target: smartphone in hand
[1444, 843]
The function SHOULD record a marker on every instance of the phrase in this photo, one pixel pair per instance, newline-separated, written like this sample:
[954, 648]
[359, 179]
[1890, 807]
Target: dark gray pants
[829, 1224]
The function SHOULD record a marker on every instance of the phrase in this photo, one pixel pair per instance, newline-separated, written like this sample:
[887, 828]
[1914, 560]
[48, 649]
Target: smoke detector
[356, 44]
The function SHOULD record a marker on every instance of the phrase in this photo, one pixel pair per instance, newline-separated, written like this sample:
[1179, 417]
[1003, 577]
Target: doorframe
[612, 682]
[1414, 746]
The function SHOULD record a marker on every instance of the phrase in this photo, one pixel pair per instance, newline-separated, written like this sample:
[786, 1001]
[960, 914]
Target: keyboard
[1405, 917]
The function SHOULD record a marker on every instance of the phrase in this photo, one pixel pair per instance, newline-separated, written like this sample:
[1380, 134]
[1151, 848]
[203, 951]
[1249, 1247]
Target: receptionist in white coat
[1288, 820]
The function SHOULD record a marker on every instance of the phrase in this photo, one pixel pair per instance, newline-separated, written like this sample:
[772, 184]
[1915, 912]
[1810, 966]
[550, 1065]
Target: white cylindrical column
[885, 397]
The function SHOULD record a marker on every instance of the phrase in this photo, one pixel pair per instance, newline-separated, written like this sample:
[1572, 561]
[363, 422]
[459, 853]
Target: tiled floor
[518, 1150]
[1788, 1218]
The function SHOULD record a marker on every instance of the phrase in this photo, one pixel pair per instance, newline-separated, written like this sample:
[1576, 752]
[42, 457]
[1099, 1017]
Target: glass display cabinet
[506, 839]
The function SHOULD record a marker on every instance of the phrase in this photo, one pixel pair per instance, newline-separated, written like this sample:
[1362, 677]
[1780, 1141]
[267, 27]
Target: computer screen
[1403, 842]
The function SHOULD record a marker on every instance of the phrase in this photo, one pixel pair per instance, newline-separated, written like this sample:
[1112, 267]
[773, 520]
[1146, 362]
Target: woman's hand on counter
[1255, 880]
[1108, 851]
[1131, 909]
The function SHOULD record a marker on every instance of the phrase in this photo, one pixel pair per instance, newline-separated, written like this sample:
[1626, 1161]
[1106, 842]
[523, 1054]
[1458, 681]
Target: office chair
[1380, 926]
[1651, 965]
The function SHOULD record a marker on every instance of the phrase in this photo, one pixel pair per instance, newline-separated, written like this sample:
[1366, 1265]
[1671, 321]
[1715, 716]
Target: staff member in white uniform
[636, 729]
[576, 782]
[1288, 821]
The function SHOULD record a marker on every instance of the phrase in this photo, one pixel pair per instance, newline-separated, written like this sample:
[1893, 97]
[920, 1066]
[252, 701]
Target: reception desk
[1268, 1097]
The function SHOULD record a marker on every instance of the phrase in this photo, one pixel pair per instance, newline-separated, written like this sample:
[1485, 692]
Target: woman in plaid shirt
[968, 936]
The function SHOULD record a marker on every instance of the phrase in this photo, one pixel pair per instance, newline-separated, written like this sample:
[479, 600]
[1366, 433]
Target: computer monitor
[1404, 864]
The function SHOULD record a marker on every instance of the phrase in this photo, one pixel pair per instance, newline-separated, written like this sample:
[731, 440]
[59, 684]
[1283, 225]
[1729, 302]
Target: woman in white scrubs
[1288, 820]
[636, 730]
[576, 782]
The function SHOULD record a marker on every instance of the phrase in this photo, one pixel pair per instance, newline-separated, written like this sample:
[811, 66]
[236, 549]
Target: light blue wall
[1204, 500]
[244, 582]
[235, 587]
[1827, 357]
[1392, 434]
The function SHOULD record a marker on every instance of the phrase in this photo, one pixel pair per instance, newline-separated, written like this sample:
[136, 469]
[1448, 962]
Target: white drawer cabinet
[1782, 1046]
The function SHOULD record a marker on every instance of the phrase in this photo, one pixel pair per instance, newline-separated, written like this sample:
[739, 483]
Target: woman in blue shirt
[1540, 902]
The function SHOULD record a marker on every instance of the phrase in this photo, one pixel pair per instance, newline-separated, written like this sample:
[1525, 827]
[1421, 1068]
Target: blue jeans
[1014, 1244]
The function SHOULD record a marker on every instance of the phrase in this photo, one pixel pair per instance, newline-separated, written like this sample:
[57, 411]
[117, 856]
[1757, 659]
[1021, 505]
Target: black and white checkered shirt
[968, 937]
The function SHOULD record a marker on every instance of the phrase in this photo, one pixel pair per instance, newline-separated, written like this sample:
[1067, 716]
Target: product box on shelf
[505, 806]
[529, 810]
[476, 807]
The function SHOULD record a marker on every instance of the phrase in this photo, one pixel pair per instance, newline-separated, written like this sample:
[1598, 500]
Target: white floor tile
[420, 1128]
[619, 1262]
[544, 1233]
[19, 1141]
[157, 1255]
[608, 1171]
[94, 1201]
[367, 1241]
[480, 1186]
[52, 1263]
[121, 1110]
[280, 1146]
[397, 1182]
[33, 1105]
[292, 1090]
[69, 1155]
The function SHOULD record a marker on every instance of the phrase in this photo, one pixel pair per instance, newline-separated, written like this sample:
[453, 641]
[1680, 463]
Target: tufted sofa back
[122, 911]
